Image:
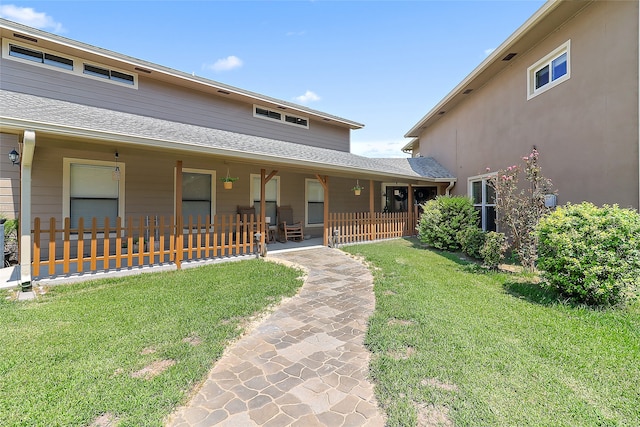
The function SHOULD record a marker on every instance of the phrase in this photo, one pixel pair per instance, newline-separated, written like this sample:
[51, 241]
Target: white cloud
[488, 52]
[224, 64]
[380, 149]
[295, 33]
[308, 96]
[28, 16]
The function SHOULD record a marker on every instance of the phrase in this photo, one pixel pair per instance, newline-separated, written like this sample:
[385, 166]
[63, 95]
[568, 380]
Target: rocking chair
[287, 229]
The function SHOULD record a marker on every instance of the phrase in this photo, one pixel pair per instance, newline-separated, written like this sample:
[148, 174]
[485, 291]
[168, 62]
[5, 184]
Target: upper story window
[66, 63]
[550, 71]
[270, 114]
[105, 73]
[40, 57]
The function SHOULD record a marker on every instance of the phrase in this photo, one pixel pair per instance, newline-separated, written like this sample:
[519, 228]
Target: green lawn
[73, 354]
[455, 344]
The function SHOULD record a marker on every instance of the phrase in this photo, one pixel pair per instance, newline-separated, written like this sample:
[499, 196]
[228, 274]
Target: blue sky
[381, 63]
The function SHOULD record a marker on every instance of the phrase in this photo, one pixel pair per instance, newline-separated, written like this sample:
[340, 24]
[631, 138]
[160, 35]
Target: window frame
[484, 179]
[78, 63]
[284, 116]
[306, 203]
[252, 178]
[547, 61]
[210, 172]
[66, 183]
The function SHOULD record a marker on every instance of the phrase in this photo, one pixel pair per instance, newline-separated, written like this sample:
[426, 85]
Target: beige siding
[9, 177]
[165, 101]
[586, 128]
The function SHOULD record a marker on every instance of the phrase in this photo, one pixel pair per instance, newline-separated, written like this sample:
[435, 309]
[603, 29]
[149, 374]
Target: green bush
[591, 254]
[471, 240]
[442, 219]
[492, 252]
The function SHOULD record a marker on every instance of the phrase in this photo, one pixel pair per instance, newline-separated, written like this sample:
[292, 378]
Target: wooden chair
[288, 229]
[249, 211]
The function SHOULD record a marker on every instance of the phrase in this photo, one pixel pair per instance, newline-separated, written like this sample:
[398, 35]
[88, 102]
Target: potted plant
[228, 181]
[357, 189]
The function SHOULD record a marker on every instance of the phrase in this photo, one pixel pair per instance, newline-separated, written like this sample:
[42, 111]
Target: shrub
[591, 254]
[492, 251]
[442, 218]
[471, 240]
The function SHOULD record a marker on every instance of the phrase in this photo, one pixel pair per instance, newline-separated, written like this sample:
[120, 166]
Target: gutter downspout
[448, 189]
[28, 147]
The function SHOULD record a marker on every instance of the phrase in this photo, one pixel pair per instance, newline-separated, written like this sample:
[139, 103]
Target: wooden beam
[410, 206]
[371, 211]
[324, 181]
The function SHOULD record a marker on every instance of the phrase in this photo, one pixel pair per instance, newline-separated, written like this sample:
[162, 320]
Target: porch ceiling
[21, 111]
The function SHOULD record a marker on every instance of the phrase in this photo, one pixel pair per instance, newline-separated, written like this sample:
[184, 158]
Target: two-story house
[566, 82]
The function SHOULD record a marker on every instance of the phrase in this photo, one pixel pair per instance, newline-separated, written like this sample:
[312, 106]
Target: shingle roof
[50, 115]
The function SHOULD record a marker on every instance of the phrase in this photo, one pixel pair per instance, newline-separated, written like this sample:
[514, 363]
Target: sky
[384, 64]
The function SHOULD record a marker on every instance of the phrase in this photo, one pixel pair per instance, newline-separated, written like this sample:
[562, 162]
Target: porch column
[24, 218]
[410, 208]
[264, 178]
[324, 181]
[178, 238]
[372, 223]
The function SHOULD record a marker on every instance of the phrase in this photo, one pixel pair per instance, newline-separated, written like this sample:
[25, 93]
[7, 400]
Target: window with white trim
[484, 200]
[314, 212]
[272, 197]
[278, 116]
[550, 71]
[198, 194]
[66, 63]
[92, 189]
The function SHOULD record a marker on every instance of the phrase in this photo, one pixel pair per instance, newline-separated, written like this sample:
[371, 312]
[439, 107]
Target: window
[315, 203]
[550, 71]
[270, 114]
[66, 63]
[104, 73]
[40, 57]
[484, 200]
[91, 189]
[272, 199]
[198, 194]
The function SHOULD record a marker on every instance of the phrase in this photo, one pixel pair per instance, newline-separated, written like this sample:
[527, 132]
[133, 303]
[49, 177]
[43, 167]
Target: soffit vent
[468, 91]
[22, 36]
[142, 70]
[509, 56]
[441, 113]
[224, 92]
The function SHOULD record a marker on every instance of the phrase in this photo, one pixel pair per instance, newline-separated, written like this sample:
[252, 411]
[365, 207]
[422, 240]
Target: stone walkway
[305, 365]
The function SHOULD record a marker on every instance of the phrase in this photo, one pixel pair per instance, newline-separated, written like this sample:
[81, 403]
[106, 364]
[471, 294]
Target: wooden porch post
[264, 178]
[324, 181]
[372, 213]
[178, 238]
[410, 208]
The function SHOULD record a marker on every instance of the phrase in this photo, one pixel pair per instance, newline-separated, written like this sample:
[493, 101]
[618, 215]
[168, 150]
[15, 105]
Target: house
[566, 83]
[101, 136]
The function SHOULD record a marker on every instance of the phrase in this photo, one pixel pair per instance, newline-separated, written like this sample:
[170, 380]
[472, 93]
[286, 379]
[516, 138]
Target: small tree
[520, 208]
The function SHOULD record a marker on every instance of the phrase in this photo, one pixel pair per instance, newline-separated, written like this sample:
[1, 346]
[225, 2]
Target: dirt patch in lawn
[148, 350]
[433, 415]
[105, 420]
[194, 340]
[403, 354]
[400, 322]
[388, 292]
[154, 369]
[434, 382]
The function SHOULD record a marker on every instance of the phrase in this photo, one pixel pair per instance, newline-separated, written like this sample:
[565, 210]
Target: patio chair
[287, 228]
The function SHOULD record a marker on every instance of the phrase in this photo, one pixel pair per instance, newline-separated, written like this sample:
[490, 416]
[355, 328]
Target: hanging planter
[228, 181]
[357, 189]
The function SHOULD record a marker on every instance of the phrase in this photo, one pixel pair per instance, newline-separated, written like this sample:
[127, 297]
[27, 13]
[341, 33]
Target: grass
[69, 356]
[453, 344]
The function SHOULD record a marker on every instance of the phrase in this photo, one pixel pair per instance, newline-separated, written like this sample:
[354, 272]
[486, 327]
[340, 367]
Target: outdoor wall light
[14, 156]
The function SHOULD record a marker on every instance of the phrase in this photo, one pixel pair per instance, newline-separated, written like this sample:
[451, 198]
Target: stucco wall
[586, 128]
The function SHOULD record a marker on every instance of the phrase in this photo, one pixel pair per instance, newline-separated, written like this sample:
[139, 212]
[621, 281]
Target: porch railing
[60, 249]
[365, 226]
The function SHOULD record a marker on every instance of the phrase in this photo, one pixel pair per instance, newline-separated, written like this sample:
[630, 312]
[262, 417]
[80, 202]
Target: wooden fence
[60, 249]
[364, 226]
